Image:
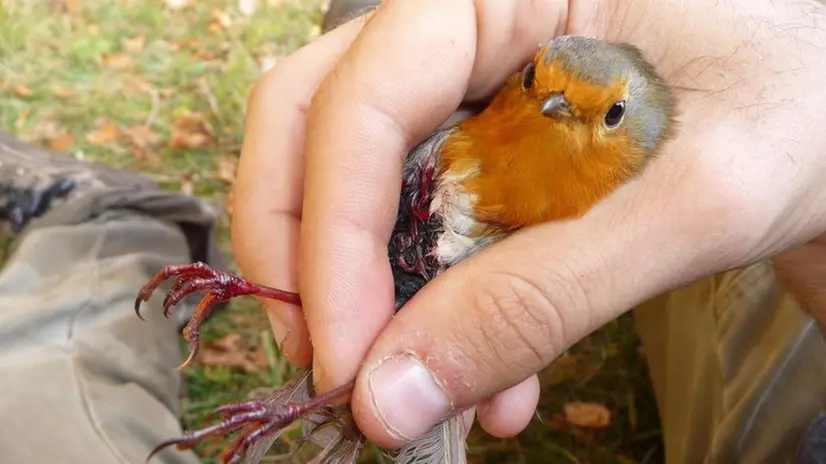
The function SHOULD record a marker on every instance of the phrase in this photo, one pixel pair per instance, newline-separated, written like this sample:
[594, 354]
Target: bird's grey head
[646, 106]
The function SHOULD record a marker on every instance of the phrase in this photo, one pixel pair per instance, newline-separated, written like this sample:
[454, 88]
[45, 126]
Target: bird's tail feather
[333, 430]
[296, 390]
[443, 444]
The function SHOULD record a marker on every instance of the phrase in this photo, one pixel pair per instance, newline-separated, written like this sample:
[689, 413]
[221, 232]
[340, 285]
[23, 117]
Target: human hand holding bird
[546, 286]
[580, 119]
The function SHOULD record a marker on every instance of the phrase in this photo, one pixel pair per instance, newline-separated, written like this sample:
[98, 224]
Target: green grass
[57, 83]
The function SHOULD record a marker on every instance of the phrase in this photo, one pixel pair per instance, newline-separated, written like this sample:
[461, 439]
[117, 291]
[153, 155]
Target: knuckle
[279, 84]
[519, 326]
[268, 87]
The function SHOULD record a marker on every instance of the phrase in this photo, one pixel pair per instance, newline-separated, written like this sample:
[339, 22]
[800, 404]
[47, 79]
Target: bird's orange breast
[526, 169]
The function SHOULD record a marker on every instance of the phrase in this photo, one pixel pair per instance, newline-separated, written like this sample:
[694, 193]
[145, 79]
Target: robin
[580, 119]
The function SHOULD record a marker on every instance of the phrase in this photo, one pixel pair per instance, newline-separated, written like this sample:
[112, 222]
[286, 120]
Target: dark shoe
[341, 11]
[32, 179]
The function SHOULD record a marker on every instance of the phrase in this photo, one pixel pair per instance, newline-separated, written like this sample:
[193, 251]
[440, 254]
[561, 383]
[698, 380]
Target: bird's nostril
[556, 106]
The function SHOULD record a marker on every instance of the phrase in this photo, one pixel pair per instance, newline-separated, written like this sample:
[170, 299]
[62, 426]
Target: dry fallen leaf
[206, 55]
[142, 136]
[62, 142]
[190, 130]
[22, 91]
[118, 61]
[588, 415]
[139, 84]
[106, 132]
[72, 7]
[220, 20]
[193, 44]
[227, 164]
[232, 351]
[145, 156]
[133, 45]
[62, 92]
[562, 369]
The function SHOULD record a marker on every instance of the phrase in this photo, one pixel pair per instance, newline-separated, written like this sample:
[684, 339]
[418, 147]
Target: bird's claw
[255, 420]
[254, 417]
[220, 287]
[186, 275]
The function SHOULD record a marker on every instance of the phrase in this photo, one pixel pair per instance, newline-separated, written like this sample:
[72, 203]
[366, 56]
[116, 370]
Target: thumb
[497, 318]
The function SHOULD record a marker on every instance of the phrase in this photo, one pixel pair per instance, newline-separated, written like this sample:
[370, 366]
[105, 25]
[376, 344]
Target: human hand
[327, 130]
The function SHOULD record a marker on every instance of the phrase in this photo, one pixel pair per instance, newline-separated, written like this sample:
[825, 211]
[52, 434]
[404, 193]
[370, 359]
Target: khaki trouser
[739, 371]
[82, 379]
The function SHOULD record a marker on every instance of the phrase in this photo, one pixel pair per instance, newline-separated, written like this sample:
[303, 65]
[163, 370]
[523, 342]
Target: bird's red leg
[220, 286]
[257, 419]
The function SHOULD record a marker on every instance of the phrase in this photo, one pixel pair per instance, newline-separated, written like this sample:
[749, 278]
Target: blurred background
[160, 86]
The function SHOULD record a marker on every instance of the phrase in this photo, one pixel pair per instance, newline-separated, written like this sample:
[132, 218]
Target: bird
[577, 121]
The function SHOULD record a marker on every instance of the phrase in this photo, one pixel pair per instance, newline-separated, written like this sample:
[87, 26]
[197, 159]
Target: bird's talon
[255, 420]
[220, 287]
[193, 352]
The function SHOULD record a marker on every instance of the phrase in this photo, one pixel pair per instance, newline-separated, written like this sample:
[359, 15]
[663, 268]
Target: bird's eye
[528, 76]
[614, 115]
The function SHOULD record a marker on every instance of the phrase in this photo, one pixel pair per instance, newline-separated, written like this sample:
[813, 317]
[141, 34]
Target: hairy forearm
[802, 269]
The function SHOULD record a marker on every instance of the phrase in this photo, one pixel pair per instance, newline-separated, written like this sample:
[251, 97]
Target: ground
[160, 86]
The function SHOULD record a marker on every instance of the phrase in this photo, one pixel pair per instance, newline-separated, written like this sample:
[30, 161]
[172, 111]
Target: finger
[497, 318]
[377, 102]
[506, 414]
[494, 320]
[507, 34]
[268, 187]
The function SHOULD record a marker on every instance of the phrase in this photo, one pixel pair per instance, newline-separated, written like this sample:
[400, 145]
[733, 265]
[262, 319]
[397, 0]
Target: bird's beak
[556, 106]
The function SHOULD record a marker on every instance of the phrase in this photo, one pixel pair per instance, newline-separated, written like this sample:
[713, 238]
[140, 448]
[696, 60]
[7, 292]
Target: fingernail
[281, 321]
[406, 397]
